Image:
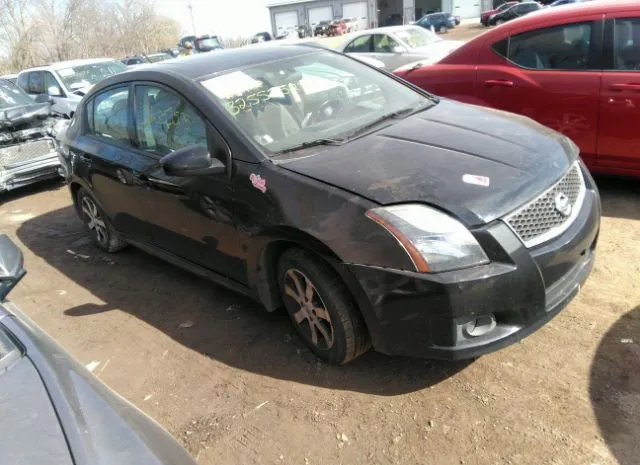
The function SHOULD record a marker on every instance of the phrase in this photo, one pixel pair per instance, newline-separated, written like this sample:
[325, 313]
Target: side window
[36, 83]
[564, 47]
[166, 122]
[111, 115]
[23, 81]
[359, 45]
[626, 44]
[50, 81]
[382, 43]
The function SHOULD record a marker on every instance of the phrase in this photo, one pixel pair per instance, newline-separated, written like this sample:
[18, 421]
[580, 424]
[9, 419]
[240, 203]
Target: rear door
[108, 161]
[618, 143]
[551, 75]
[362, 45]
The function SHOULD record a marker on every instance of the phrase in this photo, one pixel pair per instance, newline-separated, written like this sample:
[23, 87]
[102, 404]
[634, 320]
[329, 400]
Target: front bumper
[433, 315]
[28, 172]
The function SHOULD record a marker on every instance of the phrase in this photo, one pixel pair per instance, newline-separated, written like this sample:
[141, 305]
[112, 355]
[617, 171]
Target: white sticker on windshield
[476, 180]
[66, 72]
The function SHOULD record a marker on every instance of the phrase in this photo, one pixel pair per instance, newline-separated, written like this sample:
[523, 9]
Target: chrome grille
[541, 220]
[21, 153]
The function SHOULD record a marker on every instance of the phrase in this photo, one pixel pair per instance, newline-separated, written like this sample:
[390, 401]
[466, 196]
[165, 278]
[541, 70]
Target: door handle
[627, 86]
[498, 82]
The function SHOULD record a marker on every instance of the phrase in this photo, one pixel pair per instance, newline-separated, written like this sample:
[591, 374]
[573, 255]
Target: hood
[25, 122]
[82, 91]
[433, 157]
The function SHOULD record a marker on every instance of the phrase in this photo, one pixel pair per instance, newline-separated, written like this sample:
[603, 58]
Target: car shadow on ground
[36, 188]
[226, 327]
[615, 388]
[620, 197]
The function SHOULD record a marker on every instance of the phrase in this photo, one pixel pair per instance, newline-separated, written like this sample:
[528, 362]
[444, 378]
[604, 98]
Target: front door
[548, 75]
[190, 217]
[618, 143]
[389, 51]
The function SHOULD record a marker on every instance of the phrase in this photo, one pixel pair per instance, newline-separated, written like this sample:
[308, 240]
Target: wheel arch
[262, 270]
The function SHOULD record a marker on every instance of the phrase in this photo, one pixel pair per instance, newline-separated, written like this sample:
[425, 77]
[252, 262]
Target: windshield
[505, 6]
[12, 96]
[208, 44]
[416, 37]
[81, 76]
[321, 95]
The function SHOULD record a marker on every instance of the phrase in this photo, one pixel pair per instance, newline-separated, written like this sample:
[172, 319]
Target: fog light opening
[480, 326]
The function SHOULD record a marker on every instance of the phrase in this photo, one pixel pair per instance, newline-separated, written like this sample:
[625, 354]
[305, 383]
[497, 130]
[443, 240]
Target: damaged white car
[27, 146]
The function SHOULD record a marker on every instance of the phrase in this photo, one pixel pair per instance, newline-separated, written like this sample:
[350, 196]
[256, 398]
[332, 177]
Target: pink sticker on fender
[475, 179]
[258, 182]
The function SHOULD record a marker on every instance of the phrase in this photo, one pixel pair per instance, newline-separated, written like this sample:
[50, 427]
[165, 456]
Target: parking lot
[236, 386]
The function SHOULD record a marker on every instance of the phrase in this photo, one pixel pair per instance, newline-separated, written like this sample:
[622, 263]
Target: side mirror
[193, 160]
[54, 91]
[398, 49]
[43, 98]
[11, 266]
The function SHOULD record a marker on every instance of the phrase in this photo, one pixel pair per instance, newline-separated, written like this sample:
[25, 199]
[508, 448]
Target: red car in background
[575, 69]
[338, 27]
[484, 17]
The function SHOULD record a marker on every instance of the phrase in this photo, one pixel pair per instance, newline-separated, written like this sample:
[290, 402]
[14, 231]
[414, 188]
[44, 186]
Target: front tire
[94, 219]
[443, 29]
[321, 308]
[499, 22]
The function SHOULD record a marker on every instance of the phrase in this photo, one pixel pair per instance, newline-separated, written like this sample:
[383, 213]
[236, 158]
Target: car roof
[68, 64]
[550, 16]
[206, 64]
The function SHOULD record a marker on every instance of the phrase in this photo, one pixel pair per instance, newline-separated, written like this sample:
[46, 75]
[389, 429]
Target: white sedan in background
[396, 46]
[322, 43]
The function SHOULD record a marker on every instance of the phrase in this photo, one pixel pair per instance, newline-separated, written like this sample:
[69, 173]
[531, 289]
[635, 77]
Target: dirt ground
[235, 385]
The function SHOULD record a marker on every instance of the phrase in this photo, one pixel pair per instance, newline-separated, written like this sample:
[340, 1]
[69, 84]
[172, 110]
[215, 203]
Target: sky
[237, 18]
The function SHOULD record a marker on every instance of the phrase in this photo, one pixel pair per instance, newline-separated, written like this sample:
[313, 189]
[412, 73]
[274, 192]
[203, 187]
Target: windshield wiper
[395, 114]
[311, 143]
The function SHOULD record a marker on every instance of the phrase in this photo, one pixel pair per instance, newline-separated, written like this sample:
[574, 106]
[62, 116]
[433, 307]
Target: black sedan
[372, 211]
[516, 11]
[54, 411]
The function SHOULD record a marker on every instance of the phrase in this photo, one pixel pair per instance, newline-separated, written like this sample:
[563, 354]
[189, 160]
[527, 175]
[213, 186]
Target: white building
[372, 13]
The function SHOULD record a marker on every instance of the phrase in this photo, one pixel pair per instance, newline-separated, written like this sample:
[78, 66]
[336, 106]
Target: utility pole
[193, 23]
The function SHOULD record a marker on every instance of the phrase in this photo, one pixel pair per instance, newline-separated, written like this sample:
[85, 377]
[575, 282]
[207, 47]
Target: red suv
[575, 69]
[338, 27]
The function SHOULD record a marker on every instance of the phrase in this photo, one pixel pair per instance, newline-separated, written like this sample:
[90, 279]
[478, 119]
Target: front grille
[541, 220]
[21, 153]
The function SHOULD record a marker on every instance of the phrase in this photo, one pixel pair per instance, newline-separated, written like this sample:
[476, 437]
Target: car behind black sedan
[513, 12]
[54, 411]
[373, 212]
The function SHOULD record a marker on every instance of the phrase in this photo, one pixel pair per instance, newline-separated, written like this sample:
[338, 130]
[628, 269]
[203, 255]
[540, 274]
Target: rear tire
[94, 219]
[321, 308]
[443, 29]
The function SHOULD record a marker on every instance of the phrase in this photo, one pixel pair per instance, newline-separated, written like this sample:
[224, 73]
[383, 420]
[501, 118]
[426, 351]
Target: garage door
[322, 13]
[357, 10]
[467, 8]
[286, 21]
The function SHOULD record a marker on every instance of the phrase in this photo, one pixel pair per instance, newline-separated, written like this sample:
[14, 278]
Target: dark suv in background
[203, 43]
[439, 22]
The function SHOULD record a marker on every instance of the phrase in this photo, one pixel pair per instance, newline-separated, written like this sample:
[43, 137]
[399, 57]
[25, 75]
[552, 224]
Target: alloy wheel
[94, 221]
[311, 315]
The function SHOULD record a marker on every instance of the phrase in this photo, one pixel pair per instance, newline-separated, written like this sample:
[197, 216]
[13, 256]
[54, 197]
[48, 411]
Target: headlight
[434, 241]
